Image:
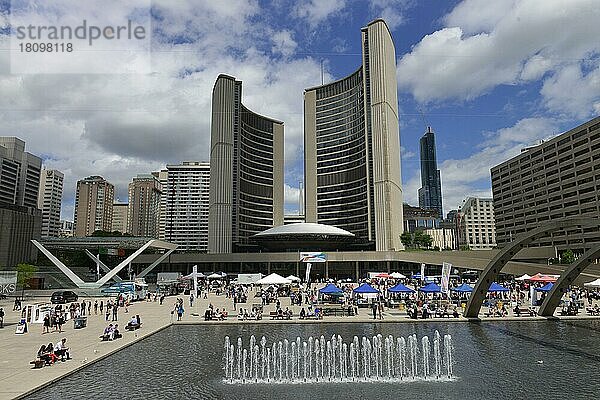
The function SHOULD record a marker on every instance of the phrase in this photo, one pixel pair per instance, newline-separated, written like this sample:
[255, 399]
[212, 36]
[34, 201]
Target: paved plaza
[17, 377]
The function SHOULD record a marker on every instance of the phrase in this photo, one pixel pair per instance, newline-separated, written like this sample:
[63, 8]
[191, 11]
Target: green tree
[418, 239]
[568, 257]
[407, 239]
[24, 273]
[426, 240]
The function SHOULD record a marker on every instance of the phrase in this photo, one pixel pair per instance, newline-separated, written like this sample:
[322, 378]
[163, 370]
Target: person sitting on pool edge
[61, 350]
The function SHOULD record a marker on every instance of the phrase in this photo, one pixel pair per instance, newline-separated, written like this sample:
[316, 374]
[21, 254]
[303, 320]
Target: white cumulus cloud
[485, 44]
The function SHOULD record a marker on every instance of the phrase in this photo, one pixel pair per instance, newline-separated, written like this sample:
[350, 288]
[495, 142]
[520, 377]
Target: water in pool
[536, 360]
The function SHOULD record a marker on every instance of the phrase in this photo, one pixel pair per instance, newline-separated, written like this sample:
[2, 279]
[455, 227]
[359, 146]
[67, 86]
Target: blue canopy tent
[464, 288]
[431, 288]
[546, 288]
[365, 288]
[494, 287]
[400, 288]
[417, 276]
[330, 289]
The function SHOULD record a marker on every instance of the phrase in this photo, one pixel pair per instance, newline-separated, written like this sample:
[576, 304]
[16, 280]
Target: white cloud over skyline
[120, 125]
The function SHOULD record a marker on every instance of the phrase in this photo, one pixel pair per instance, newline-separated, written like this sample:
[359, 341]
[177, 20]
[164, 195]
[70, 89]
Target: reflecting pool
[539, 360]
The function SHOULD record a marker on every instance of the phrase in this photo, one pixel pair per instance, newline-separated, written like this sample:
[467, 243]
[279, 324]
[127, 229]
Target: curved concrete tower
[352, 147]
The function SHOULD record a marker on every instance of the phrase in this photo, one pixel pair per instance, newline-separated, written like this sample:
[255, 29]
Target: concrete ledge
[87, 364]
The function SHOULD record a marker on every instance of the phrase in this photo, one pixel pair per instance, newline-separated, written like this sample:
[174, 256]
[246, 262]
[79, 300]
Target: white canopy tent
[523, 278]
[397, 275]
[593, 284]
[197, 275]
[273, 279]
[294, 278]
[215, 276]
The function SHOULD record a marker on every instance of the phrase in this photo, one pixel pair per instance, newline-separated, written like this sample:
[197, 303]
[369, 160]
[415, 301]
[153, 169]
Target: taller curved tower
[246, 170]
[352, 147]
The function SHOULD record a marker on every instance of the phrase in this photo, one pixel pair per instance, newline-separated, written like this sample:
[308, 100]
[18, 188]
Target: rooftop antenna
[427, 125]
[322, 74]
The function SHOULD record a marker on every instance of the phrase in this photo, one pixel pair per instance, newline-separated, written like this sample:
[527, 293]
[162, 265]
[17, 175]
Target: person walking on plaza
[374, 308]
[46, 324]
[89, 308]
[191, 300]
[101, 306]
[114, 312]
[107, 314]
[380, 310]
[95, 307]
[1, 317]
[60, 320]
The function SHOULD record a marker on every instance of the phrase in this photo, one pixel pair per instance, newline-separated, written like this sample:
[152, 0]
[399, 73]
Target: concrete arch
[566, 278]
[492, 270]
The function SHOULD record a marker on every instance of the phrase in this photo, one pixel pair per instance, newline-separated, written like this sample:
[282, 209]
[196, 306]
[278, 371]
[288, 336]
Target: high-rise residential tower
[50, 201]
[119, 219]
[186, 208]
[144, 206]
[93, 206]
[162, 177]
[352, 147]
[430, 193]
[246, 164]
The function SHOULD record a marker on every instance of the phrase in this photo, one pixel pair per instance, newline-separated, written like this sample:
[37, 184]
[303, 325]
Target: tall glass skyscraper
[246, 171]
[430, 193]
[352, 147]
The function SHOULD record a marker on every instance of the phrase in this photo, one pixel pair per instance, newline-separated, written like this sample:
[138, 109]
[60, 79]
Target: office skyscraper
[144, 206]
[20, 218]
[246, 164]
[186, 207]
[93, 206]
[430, 193]
[352, 147]
[559, 178]
[50, 201]
[477, 224]
[19, 173]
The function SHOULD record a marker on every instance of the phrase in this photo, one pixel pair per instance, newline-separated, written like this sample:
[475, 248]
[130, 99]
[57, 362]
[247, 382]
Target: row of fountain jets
[318, 360]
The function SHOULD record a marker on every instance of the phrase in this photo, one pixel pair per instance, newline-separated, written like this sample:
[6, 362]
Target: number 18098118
[46, 47]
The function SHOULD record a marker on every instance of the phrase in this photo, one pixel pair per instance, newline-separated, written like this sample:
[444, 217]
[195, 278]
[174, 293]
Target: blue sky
[489, 77]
